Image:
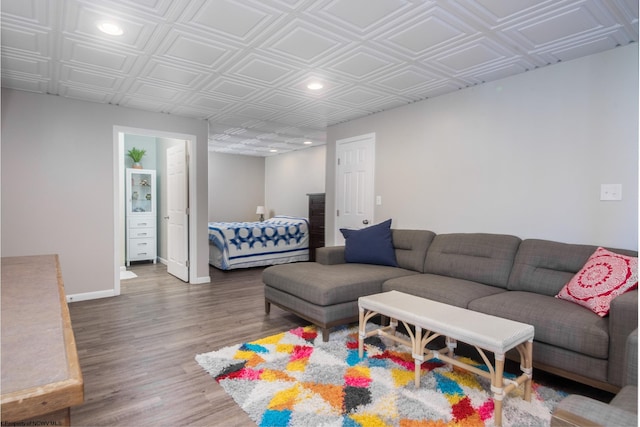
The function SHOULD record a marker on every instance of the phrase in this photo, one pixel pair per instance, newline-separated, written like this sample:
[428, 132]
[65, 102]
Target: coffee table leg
[418, 354]
[452, 344]
[498, 389]
[393, 325]
[528, 369]
[361, 332]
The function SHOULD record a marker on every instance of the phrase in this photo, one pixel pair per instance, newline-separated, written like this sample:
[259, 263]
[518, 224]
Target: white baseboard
[90, 295]
[200, 280]
[197, 281]
[110, 292]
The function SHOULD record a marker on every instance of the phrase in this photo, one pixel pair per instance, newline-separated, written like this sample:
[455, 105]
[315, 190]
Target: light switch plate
[610, 191]
[378, 200]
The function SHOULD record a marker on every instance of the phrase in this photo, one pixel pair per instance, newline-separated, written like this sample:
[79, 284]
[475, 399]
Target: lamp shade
[260, 210]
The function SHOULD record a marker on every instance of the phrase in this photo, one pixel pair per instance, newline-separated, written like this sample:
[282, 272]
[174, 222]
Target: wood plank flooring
[137, 351]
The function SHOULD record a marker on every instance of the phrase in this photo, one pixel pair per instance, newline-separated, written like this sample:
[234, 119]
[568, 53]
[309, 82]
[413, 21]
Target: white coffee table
[432, 319]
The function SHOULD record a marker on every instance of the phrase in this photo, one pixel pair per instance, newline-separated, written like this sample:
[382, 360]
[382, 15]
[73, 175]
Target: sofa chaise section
[326, 292]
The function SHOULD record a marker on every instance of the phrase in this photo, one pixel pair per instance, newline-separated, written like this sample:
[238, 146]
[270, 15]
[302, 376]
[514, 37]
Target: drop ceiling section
[244, 65]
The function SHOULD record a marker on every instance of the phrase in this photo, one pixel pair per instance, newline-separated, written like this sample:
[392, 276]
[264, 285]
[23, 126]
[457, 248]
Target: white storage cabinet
[141, 215]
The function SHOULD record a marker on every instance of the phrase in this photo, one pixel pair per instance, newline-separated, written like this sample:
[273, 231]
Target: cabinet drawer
[142, 248]
[142, 232]
[149, 222]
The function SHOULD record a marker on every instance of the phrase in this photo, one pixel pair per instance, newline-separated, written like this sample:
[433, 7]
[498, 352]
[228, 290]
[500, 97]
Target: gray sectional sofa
[496, 274]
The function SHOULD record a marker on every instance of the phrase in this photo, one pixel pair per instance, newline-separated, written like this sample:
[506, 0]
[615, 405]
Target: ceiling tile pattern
[243, 65]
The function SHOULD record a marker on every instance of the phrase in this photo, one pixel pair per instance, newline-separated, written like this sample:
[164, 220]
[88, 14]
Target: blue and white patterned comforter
[278, 240]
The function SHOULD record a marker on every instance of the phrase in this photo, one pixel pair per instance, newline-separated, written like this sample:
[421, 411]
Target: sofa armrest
[623, 320]
[631, 362]
[330, 255]
[581, 411]
[626, 399]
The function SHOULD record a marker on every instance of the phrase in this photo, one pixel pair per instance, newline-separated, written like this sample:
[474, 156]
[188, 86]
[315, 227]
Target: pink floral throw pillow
[605, 276]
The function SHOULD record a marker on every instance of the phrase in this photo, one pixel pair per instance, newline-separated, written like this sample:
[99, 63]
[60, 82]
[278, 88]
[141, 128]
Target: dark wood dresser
[316, 223]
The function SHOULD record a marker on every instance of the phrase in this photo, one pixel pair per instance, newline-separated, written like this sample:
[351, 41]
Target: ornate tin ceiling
[244, 65]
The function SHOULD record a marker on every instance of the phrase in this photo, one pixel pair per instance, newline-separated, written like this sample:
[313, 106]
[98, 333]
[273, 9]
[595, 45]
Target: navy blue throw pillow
[371, 245]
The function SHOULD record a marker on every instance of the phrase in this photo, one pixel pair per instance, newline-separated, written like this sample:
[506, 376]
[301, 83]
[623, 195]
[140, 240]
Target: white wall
[237, 184]
[524, 155]
[236, 187]
[58, 183]
[290, 177]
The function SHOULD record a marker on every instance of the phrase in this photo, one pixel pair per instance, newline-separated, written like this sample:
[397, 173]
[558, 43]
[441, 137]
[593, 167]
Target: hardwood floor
[137, 351]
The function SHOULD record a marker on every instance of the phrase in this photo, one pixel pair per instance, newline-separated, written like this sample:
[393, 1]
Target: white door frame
[338, 238]
[118, 194]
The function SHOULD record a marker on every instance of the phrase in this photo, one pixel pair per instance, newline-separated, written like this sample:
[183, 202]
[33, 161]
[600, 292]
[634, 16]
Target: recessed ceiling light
[111, 28]
[315, 86]
[273, 150]
[307, 142]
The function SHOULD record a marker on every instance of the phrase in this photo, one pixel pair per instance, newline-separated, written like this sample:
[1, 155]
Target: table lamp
[260, 211]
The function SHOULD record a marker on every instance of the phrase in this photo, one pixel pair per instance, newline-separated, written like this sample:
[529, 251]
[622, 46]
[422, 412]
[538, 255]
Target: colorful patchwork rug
[295, 379]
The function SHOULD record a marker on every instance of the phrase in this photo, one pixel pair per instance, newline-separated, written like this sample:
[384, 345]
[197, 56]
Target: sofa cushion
[443, 289]
[544, 266]
[371, 245]
[556, 322]
[345, 312]
[411, 247]
[605, 276]
[330, 284]
[483, 258]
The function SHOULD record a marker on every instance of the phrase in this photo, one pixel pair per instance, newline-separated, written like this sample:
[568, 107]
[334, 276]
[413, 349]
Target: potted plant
[136, 155]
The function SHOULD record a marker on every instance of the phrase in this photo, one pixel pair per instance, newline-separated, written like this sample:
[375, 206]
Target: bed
[278, 240]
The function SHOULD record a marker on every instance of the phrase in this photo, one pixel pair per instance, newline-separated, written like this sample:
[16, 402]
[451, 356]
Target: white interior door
[354, 181]
[178, 210]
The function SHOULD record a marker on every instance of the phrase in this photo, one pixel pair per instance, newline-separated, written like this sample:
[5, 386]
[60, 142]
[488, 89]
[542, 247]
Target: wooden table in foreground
[432, 319]
[41, 377]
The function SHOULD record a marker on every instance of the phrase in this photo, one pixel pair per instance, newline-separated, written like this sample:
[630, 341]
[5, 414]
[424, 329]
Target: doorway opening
[163, 141]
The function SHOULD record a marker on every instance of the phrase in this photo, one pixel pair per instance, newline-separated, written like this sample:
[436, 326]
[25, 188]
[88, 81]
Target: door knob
[365, 222]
